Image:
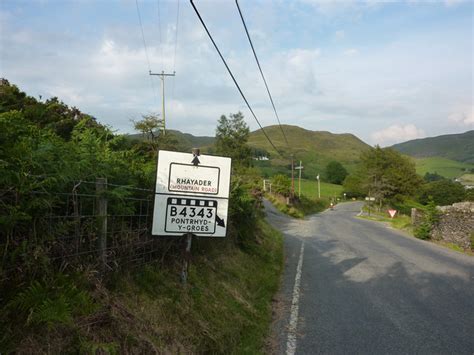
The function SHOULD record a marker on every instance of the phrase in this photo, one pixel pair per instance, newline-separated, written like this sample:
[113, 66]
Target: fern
[53, 312]
[52, 305]
[29, 299]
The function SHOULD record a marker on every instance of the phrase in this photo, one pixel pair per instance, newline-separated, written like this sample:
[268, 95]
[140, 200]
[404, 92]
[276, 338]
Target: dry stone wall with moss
[456, 224]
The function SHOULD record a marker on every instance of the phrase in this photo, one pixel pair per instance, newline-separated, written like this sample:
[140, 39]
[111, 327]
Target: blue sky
[385, 71]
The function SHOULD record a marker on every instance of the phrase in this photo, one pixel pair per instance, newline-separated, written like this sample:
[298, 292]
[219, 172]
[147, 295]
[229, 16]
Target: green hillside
[314, 148]
[459, 147]
[445, 167]
[185, 141]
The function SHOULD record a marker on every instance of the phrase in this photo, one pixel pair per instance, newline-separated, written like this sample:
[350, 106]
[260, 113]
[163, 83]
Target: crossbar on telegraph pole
[162, 75]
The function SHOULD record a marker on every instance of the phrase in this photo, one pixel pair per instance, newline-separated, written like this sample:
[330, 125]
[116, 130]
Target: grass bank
[224, 308]
[309, 188]
[401, 222]
[299, 209]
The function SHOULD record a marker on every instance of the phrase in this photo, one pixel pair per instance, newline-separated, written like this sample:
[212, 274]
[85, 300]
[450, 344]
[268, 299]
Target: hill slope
[314, 148]
[458, 147]
[185, 141]
[445, 167]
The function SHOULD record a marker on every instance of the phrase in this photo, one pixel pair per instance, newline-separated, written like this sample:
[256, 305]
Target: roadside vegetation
[298, 206]
[390, 180]
[400, 221]
[55, 298]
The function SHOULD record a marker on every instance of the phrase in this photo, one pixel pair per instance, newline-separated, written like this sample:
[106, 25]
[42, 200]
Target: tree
[335, 172]
[386, 175]
[231, 139]
[429, 177]
[150, 126]
[443, 192]
[354, 186]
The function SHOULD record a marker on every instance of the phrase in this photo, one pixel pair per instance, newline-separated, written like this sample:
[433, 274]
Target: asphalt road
[363, 288]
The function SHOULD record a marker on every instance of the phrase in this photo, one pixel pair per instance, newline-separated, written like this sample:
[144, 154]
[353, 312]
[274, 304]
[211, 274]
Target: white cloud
[340, 34]
[338, 8]
[396, 134]
[450, 3]
[351, 51]
[463, 117]
[315, 85]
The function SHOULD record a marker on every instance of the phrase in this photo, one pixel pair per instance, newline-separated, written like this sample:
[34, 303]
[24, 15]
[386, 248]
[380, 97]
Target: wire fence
[95, 224]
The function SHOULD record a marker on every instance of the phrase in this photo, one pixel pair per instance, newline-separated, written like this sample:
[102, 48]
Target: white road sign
[192, 196]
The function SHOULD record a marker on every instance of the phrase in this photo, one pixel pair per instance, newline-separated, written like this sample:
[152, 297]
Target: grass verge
[454, 247]
[401, 222]
[224, 308]
[299, 209]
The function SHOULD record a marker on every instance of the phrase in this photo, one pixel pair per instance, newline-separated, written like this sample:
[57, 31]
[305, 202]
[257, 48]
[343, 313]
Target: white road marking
[291, 342]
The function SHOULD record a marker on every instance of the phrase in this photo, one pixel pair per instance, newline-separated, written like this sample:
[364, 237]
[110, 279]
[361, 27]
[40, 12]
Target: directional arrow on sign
[196, 161]
[219, 221]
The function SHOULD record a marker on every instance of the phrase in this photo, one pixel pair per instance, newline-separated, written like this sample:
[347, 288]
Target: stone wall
[456, 223]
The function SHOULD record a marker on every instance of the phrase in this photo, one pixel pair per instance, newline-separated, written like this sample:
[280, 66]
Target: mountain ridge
[458, 147]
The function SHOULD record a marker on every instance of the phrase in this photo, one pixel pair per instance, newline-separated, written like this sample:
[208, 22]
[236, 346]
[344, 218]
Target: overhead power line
[261, 72]
[176, 35]
[159, 35]
[233, 78]
[175, 52]
[145, 46]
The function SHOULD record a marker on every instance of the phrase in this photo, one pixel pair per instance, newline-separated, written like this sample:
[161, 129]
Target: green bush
[431, 218]
[281, 184]
[245, 206]
[470, 195]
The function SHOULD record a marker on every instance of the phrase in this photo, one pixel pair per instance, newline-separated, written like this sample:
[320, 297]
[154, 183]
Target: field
[467, 178]
[309, 188]
[445, 167]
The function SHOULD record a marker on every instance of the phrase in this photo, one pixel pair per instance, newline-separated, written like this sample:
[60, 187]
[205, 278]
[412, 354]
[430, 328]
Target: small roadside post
[101, 189]
[191, 198]
[369, 200]
[319, 187]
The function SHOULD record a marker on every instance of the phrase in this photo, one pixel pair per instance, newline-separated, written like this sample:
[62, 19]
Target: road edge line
[291, 342]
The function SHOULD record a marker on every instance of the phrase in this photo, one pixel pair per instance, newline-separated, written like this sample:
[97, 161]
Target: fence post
[101, 213]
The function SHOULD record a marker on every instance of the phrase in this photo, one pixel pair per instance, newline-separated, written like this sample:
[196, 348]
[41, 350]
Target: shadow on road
[364, 292]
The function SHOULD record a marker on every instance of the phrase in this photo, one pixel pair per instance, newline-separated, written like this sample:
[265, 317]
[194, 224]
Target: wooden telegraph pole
[300, 167]
[292, 177]
[162, 75]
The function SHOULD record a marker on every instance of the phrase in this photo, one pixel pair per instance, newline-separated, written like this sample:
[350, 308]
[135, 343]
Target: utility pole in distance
[292, 176]
[162, 76]
[300, 167]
